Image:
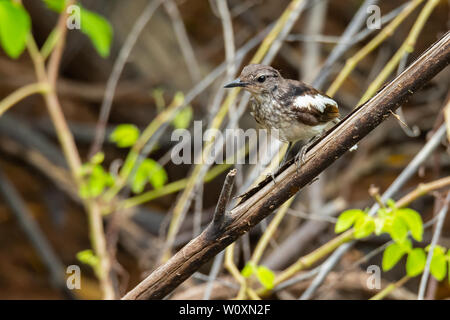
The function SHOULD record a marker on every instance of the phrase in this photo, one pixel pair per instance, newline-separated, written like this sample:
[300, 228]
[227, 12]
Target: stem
[423, 189]
[231, 267]
[70, 150]
[50, 43]
[311, 258]
[268, 233]
[383, 293]
[21, 94]
[171, 188]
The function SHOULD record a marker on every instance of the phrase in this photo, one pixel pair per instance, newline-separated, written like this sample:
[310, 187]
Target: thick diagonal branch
[270, 196]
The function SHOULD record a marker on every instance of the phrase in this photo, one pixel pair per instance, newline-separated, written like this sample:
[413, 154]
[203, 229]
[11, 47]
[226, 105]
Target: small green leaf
[347, 218]
[414, 222]
[183, 118]
[15, 27]
[392, 254]
[265, 276]
[178, 99]
[364, 226]
[124, 135]
[98, 29]
[56, 5]
[88, 257]
[84, 192]
[158, 95]
[248, 270]
[415, 263]
[391, 204]
[384, 213]
[398, 230]
[149, 171]
[97, 158]
[98, 180]
[438, 266]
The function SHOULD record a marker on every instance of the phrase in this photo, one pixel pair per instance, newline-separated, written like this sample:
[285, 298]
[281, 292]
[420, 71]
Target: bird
[291, 110]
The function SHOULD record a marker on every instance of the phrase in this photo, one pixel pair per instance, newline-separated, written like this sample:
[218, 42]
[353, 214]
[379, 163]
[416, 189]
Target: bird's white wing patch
[317, 101]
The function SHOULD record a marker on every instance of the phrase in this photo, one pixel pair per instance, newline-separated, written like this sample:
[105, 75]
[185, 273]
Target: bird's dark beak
[236, 83]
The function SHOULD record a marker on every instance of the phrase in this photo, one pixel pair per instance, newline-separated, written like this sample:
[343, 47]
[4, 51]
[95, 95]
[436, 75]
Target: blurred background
[162, 63]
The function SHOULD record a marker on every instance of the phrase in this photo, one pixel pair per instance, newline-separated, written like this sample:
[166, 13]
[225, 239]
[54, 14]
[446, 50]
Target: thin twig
[436, 235]
[213, 274]
[113, 79]
[357, 21]
[183, 40]
[55, 58]
[21, 94]
[383, 293]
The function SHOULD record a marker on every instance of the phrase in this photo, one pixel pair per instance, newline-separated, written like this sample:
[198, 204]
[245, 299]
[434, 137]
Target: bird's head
[257, 79]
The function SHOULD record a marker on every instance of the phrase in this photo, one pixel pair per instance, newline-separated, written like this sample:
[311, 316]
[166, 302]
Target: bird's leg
[290, 145]
[300, 157]
[285, 157]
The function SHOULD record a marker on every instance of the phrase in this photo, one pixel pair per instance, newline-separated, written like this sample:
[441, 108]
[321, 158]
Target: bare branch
[220, 212]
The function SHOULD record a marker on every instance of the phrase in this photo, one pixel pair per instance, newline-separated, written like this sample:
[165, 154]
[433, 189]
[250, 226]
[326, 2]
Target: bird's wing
[311, 106]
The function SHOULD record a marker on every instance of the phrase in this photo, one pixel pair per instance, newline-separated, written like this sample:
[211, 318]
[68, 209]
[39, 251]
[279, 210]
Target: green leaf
[347, 218]
[56, 5]
[438, 266]
[98, 29]
[379, 225]
[392, 254]
[158, 95]
[88, 257]
[391, 204]
[415, 263]
[384, 213]
[398, 230]
[364, 226]
[124, 135]
[84, 191]
[414, 222]
[98, 180]
[183, 118]
[15, 27]
[149, 171]
[98, 158]
[266, 277]
[248, 270]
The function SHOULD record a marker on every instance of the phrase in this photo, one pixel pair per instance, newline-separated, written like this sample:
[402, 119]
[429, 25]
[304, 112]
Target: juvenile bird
[291, 109]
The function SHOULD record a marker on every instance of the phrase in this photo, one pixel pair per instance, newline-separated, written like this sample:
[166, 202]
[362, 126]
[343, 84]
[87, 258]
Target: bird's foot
[272, 175]
[300, 158]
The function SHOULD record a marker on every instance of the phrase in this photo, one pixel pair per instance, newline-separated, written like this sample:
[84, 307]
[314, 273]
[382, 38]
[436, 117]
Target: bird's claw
[300, 158]
[272, 175]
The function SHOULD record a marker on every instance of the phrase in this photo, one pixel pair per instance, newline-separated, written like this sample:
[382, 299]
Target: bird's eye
[261, 79]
